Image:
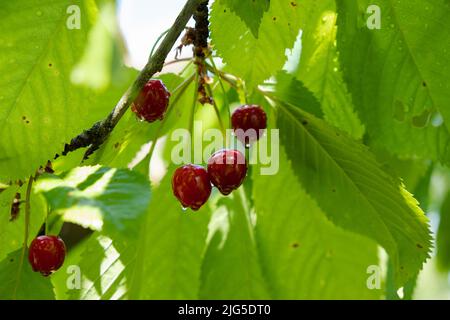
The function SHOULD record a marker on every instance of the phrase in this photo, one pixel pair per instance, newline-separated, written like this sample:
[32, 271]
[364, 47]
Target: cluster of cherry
[191, 184]
[227, 169]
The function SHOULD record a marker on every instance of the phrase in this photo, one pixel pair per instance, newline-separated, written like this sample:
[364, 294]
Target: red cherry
[152, 102]
[227, 170]
[191, 186]
[47, 254]
[248, 122]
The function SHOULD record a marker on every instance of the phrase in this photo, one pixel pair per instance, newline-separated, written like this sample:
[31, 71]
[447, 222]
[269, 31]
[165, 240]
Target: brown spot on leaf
[295, 245]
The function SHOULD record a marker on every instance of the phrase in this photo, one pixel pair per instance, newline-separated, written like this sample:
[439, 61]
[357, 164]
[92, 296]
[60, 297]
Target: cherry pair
[191, 184]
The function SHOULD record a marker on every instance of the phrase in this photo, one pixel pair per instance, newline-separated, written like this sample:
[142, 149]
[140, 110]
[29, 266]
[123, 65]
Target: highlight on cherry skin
[191, 186]
[46, 254]
[227, 170]
[249, 123]
[152, 102]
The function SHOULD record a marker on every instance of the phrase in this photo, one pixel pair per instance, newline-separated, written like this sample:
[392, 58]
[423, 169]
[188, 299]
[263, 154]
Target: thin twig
[177, 61]
[25, 241]
[230, 79]
[99, 132]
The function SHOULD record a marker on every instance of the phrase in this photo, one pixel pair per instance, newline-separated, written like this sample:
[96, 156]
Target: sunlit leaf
[353, 191]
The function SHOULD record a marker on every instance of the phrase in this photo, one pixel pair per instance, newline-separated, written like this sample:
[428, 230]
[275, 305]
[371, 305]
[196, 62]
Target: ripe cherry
[47, 254]
[191, 186]
[227, 170]
[249, 123]
[152, 102]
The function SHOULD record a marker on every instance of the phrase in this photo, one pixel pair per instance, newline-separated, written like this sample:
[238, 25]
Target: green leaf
[162, 261]
[101, 62]
[170, 249]
[319, 67]
[398, 76]
[38, 100]
[251, 12]
[26, 285]
[112, 200]
[231, 259]
[353, 191]
[255, 59]
[443, 236]
[303, 255]
[288, 89]
[12, 232]
[104, 265]
[125, 142]
[391, 288]
[67, 276]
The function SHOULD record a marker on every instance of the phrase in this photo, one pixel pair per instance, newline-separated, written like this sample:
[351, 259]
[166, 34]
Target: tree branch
[99, 132]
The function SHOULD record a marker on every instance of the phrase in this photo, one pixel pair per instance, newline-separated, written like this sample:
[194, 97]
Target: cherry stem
[177, 61]
[225, 98]
[186, 67]
[192, 116]
[216, 109]
[233, 82]
[25, 241]
[224, 76]
[156, 43]
[179, 91]
[46, 221]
